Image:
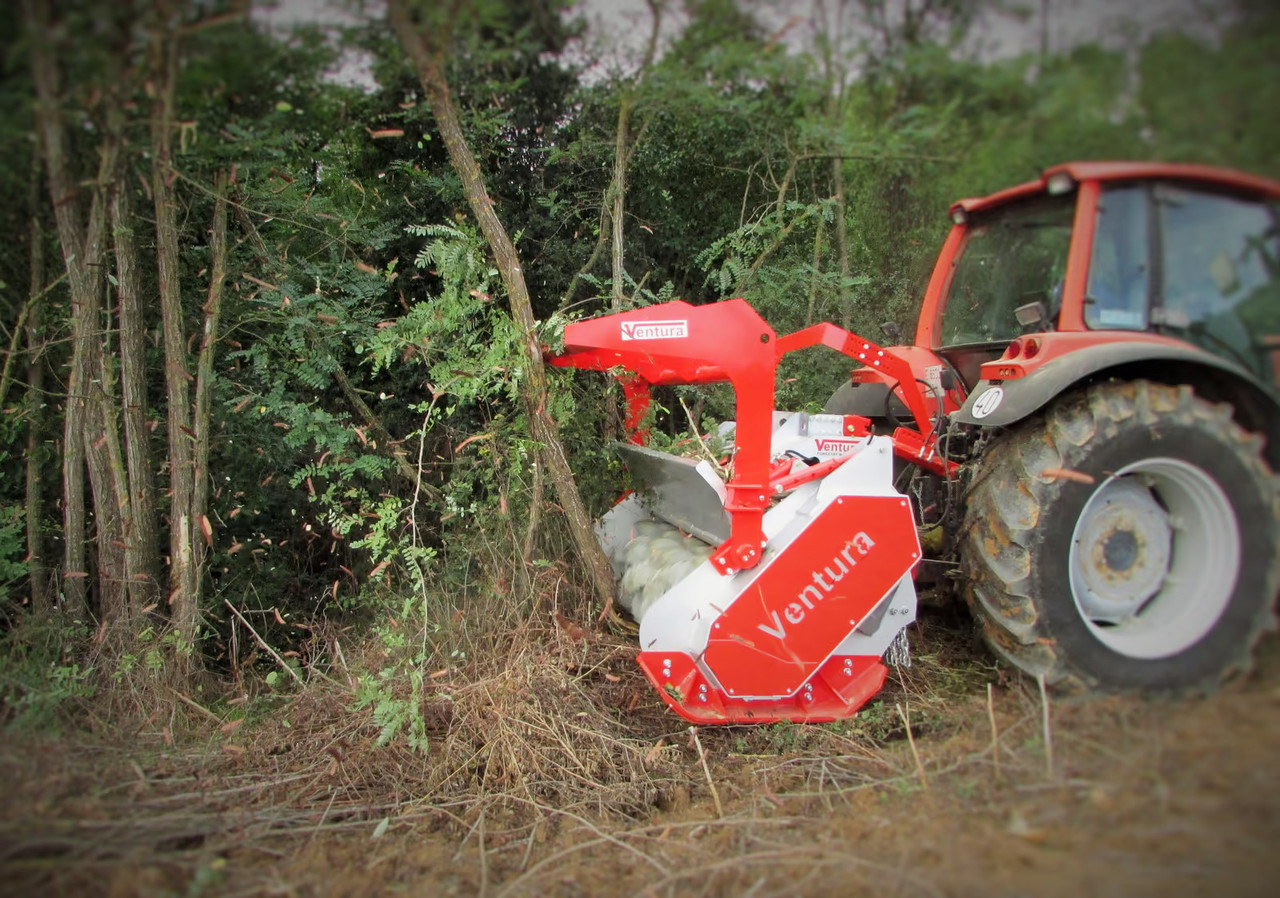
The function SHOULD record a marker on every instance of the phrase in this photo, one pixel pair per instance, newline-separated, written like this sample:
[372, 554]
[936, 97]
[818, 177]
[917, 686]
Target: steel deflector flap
[681, 491]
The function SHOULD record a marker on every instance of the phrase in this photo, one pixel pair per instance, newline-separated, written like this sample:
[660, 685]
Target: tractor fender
[1000, 402]
[873, 393]
[870, 400]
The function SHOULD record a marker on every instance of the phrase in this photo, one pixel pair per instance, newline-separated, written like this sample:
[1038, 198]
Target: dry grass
[553, 769]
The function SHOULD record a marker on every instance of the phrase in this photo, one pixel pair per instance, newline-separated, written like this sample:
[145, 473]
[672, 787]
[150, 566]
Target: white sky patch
[618, 30]
[354, 67]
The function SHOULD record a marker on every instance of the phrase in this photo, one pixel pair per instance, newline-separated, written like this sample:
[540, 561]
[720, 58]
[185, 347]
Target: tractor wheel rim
[1154, 559]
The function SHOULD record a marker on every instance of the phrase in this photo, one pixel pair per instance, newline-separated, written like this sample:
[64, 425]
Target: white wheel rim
[1155, 557]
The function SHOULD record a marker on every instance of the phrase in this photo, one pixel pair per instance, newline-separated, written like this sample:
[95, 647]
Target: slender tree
[86, 418]
[143, 539]
[38, 571]
[428, 48]
[184, 609]
[623, 148]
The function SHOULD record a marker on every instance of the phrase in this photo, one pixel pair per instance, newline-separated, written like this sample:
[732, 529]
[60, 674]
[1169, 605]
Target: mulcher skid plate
[811, 582]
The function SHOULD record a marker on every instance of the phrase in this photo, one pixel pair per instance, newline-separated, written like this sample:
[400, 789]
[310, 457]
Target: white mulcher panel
[814, 436]
[680, 619]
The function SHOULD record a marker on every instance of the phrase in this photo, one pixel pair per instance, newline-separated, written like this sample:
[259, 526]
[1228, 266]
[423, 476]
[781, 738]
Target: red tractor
[1082, 439]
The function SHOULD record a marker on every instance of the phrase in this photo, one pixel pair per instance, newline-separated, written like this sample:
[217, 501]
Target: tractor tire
[1125, 539]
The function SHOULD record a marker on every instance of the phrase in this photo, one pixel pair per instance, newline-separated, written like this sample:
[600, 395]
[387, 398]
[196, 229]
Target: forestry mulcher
[1081, 439]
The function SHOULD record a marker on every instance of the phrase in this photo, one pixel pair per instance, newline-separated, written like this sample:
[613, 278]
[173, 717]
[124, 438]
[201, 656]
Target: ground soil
[978, 796]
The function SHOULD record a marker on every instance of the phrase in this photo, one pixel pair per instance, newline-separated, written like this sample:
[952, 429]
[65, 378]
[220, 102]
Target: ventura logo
[835, 447]
[841, 564]
[655, 330]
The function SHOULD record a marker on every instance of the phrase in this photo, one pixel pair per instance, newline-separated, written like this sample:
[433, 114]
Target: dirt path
[1128, 798]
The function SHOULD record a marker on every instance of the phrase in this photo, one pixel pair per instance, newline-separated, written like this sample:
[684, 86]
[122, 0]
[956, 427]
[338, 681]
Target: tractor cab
[1111, 251]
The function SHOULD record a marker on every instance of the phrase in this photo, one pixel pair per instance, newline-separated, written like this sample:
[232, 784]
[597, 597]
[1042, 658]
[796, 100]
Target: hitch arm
[677, 343]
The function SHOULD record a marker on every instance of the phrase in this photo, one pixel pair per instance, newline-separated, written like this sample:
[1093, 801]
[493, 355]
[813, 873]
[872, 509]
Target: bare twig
[263, 643]
[995, 736]
[1048, 727]
[693, 425]
[337, 653]
[706, 769]
[196, 706]
[911, 741]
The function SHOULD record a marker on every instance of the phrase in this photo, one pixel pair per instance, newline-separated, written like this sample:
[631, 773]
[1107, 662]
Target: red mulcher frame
[678, 343]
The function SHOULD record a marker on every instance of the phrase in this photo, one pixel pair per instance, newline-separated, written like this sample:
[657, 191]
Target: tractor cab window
[1119, 266]
[1220, 267]
[1012, 256]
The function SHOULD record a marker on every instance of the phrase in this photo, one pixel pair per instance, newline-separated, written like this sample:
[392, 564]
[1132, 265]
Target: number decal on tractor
[988, 402]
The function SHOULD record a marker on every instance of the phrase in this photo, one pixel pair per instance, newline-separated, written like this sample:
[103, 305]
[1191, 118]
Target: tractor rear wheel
[1127, 538]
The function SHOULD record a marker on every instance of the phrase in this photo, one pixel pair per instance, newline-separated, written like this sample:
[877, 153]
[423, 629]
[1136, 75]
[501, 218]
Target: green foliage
[1213, 103]
[152, 650]
[13, 534]
[41, 682]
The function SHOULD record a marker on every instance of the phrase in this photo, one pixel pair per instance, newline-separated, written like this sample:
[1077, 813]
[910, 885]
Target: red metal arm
[870, 354]
[919, 448]
[676, 343]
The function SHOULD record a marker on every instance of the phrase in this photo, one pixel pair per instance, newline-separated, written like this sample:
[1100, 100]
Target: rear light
[1031, 349]
[1014, 350]
[958, 215]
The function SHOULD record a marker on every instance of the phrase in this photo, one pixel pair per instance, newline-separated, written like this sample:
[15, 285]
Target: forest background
[271, 406]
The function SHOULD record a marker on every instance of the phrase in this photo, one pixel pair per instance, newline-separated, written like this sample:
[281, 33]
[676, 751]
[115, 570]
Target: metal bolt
[702, 697]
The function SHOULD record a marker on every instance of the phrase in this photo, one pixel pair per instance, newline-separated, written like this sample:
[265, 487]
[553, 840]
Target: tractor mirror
[1032, 314]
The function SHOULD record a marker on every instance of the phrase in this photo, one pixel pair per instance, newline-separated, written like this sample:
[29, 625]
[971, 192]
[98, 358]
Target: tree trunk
[204, 364]
[37, 571]
[112, 516]
[82, 243]
[622, 160]
[183, 572]
[617, 208]
[842, 242]
[142, 540]
[429, 59]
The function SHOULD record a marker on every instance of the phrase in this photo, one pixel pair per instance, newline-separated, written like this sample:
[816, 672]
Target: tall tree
[426, 38]
[163, 70]
[622, 155]
[87, 419]
[38, 569]
[143, 542]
